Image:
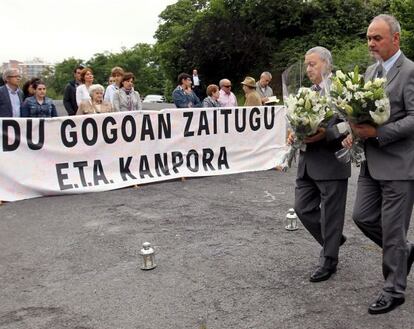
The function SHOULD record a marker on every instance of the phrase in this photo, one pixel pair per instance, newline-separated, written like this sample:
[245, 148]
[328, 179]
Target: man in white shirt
[263, 88]
[227, 98]
[196, 84]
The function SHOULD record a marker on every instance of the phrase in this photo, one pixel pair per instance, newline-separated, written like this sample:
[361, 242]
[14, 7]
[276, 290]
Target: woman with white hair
[96, 104]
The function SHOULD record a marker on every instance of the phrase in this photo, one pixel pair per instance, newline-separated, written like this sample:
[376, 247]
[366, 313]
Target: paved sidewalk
[224, 261]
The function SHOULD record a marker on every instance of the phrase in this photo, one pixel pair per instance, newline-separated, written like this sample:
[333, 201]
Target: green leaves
[359, 101]
[404, 12]
[356, 77]
[234, 38]
[140, 60]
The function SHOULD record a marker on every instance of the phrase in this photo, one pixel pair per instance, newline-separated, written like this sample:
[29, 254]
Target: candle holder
[148, 257]
[291, 221]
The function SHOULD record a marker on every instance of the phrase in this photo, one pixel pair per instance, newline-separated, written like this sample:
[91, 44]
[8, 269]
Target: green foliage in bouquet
[359, 101]
[307, 111]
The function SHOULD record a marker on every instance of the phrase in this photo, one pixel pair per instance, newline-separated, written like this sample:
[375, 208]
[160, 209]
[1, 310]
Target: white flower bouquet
[306, 112]
[359, 102]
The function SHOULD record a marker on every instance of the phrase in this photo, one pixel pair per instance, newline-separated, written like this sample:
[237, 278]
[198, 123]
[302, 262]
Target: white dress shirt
[82, 93]
[227, 100]
[15, 101]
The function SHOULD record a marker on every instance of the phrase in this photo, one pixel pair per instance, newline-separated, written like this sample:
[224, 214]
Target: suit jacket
[69, 98]
[6, 109]
[86, 107]
[391, 155]
[120, 101]
[253, 99]
[199, 80]
[319, 160]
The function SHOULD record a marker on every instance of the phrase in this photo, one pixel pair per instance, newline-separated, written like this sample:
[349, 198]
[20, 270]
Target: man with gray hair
[322, 181]
[318, 67]
[10, 95]
[385, 193]
[263, 88]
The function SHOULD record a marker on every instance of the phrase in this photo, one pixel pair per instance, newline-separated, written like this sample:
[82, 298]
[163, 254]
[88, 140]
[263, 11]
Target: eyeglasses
[15, 76]
[227, 86]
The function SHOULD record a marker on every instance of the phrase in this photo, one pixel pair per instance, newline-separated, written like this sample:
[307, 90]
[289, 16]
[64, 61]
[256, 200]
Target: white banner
[102, 152]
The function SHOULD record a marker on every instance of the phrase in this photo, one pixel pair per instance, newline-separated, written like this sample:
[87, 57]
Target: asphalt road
[224, 260]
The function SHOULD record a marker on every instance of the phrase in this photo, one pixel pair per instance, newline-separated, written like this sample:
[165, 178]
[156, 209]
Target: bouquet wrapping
[359, 102]
[306, 112]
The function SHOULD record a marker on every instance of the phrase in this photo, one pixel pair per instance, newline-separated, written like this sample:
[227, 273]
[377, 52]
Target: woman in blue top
[38, 105]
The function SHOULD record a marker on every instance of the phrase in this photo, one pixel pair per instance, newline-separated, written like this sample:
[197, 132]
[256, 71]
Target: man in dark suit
[322, 181]
[69, 96]
[385, 194]
[11, 97]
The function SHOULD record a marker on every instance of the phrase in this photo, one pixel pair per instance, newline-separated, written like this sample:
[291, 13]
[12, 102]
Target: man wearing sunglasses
[227, 98]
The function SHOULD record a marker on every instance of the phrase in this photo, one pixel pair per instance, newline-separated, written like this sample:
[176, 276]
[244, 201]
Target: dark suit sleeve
[67, 100]
[5, 105]
[332, 132]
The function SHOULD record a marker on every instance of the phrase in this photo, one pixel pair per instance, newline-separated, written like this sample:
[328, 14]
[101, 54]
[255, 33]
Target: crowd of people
[81, 95]
[385, 190]
[188, 94]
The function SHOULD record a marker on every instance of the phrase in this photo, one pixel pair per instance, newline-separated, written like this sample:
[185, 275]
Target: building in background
[12, 64]
[29, 69]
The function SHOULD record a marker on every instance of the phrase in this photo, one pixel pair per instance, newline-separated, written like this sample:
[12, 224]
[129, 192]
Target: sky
[57, 29]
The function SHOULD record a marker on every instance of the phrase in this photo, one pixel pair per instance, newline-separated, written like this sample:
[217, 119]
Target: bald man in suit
[385, 193]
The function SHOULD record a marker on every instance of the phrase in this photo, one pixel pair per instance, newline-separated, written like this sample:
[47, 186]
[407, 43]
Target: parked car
[154, 99]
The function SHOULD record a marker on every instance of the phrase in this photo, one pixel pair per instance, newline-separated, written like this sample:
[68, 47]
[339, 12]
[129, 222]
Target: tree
[404, 12]
[63, 73]
[354, 52]
[177, 23]
[234, 38]
[141, 60]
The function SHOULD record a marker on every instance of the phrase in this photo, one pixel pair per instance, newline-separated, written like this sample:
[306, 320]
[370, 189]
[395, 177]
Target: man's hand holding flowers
[320, 134]
[364, 131]
[307, 112]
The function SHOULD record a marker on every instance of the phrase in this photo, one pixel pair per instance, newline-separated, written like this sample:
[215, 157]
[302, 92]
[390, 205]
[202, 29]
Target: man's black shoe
[343, 240]
[410, 259]
[322, 274]
[385, 303]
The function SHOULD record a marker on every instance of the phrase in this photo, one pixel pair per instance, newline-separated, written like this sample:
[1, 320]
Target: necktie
[316, 88]
[380, 71]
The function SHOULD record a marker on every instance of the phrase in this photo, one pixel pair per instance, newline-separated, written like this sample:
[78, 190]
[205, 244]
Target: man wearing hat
[252, 96]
